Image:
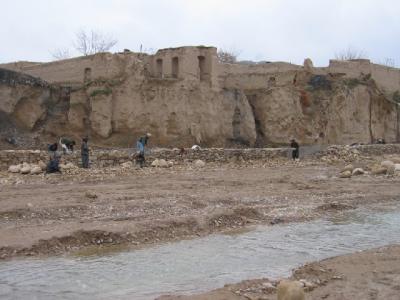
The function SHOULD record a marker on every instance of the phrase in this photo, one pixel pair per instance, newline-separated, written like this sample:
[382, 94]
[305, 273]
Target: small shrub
[396, 96]
[352, 82]
[107, 91]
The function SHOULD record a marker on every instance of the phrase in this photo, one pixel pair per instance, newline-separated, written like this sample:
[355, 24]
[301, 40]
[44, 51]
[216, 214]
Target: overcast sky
[273, 30]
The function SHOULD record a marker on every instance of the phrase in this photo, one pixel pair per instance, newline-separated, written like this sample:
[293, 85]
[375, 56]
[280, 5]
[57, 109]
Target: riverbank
[123, 207]
[372, 274]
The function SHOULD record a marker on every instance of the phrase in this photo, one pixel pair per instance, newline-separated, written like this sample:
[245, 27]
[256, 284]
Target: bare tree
[61, 53]
[388, 62]
[349, 54]
[92, 42]
[227, 56]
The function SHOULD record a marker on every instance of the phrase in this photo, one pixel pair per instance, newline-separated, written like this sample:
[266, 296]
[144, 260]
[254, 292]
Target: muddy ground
[98, 209]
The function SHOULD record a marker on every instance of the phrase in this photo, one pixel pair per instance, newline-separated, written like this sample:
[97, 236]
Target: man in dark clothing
[85, 153]
[52, 148]
[295, 151]
[54, 165]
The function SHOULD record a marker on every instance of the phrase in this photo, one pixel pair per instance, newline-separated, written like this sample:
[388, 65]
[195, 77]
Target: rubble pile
[334, 154]
[385, 167]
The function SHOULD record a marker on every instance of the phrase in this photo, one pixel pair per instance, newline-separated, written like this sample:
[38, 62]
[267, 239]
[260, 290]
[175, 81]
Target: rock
[196, 147]
[42, 165]
[387, 164]
[348, 168]
[127, 164]
[90, 195]
[14, 169]
[67, 166]
[170, 163]
[358, 171]
[395, 160]
[25, 169]
[199, 163]
[390, 170]
[290, 290]
[345, 174]
[378, 170]
[397, 168]
[155, 163]
[307, 284]
[162, 163]
[308, 64]
[35, 170]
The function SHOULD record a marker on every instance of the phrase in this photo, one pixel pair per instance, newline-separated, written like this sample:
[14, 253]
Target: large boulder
[26, 169]
[162, 163]
[42, 165]
[378, 170]
[358, 171]
[127, 164]
[290, 290]
[35, 170]
[67, 166]
[348, 168]
[14, 169]
[387, 164]
[345, 174]
[199, 163]
[155, 163]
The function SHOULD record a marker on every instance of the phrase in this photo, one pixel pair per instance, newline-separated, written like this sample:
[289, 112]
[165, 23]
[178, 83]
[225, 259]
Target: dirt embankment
[126, 207]
[372, 274]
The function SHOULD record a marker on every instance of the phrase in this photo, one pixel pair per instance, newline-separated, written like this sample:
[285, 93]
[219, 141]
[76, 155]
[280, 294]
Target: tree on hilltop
[91, 42]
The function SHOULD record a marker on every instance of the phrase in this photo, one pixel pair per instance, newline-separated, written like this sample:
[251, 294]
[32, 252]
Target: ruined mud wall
[80, 69]
[387, 78]
[23, 99]
[184, 96]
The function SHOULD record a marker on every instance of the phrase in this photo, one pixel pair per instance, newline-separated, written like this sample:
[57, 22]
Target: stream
[193, 266]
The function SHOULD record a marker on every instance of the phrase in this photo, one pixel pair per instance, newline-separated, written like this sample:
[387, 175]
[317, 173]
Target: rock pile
[340, 153]
[386, 167]
[26, 168]
[162, 163]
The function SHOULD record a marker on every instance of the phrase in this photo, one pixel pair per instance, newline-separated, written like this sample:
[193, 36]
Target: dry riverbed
[113, 208]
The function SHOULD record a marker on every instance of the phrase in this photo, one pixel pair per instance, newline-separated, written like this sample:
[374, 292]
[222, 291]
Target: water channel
[193, 266]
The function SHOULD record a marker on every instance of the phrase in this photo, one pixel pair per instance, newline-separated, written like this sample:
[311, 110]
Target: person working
[85, 153]
[295, 151]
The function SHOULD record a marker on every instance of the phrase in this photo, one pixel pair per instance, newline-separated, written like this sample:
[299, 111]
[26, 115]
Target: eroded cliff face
[176, 114]
[312, 107]
[323, 109]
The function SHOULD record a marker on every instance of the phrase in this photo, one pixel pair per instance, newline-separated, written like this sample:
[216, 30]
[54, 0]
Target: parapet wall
[99, 158]
[387, 78]
[256, 76]
[77, 70]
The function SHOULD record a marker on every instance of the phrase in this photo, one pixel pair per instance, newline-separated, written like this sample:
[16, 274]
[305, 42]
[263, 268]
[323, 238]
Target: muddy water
[198, 265]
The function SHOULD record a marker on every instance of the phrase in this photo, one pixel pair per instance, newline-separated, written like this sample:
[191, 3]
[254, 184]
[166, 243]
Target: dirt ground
[93, 210]
[372, 274]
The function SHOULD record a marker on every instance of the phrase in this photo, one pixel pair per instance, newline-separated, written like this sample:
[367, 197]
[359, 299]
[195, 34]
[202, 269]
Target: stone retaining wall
[107, 158]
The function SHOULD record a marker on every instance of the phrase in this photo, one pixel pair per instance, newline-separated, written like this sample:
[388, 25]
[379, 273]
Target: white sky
[284, 30]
